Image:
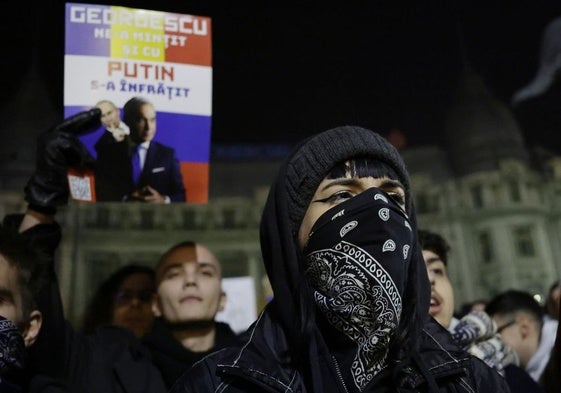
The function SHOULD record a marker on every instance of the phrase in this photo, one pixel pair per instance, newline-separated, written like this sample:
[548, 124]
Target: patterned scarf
[357, 258]
[12, 348]
[477, 333]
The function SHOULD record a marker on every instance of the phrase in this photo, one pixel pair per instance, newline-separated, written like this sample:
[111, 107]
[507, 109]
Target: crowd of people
[361, 300]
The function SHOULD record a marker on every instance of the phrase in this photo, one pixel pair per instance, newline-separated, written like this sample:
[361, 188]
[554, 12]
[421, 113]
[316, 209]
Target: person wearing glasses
[123, 299]
[475, 331]
[520, 320]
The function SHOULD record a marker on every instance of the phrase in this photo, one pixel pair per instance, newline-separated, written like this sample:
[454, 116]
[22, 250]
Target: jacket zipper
[338, 371]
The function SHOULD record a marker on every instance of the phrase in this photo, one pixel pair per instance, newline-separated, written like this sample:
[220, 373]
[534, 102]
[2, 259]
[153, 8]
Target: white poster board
[240, 310]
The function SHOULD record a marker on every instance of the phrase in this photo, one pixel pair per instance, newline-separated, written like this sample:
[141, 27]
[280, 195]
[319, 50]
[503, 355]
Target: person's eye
[398, 198]
[338, 197]
[171, 273]
[438, 272]
[207, 273]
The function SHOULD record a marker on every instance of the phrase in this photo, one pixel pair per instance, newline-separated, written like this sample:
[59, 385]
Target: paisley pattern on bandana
[357, 258]
[12, 347]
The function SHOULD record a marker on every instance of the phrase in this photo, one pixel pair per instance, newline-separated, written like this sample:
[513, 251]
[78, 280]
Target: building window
[514, 191]
[477, 196]
[486, 247]
[189, 219]
[524, 241]
[102, 219]
[147, 219]
[229, 217]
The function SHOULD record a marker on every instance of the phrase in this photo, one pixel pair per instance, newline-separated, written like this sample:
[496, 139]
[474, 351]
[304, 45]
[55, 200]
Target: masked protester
[351, 292]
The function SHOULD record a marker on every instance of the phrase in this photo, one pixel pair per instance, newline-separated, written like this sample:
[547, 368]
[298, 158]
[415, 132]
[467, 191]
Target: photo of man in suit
[115, 129]
[138, 168]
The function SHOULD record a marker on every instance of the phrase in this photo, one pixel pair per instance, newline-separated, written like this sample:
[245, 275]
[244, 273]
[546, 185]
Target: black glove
[57, 149]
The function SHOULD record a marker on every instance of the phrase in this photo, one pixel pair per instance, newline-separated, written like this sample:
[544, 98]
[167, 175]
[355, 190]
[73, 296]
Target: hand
[149, 195]
[57, 149]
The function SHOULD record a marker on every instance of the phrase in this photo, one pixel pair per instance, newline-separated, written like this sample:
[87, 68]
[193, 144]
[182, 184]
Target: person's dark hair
[467, 307]
[30, 263]
[100, 308]
[550, 307]
[362, 167]
[131, 110]
[513, 301]
[434, 242]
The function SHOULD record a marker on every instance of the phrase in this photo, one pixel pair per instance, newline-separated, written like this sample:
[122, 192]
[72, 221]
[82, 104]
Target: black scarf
[12, 356]
[357, 257]
[172, 358]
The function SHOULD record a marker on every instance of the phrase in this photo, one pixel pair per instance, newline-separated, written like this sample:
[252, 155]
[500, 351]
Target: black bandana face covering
[357, 258]
[12, 348]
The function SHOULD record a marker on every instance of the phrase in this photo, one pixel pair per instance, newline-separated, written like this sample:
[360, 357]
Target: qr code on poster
[80, 188]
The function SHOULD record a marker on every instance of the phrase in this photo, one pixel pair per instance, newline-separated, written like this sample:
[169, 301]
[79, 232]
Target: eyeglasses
[123, 298]
[503, 327]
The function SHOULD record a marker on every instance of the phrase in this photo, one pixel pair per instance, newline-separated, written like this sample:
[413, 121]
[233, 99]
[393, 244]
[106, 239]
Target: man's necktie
[136, 168]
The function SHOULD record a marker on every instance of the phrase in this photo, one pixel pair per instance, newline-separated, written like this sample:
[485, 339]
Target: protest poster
[116, 53]
[240, 310]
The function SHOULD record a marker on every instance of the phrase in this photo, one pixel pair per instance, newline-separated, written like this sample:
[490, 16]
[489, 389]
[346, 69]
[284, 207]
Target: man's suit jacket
[113, 173]
[105, 139]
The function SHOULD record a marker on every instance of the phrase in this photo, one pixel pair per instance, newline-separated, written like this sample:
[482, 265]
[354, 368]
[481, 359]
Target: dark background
[282, 71]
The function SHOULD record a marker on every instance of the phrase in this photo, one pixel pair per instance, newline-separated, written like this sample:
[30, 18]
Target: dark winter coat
[172, 358]
[260, 365]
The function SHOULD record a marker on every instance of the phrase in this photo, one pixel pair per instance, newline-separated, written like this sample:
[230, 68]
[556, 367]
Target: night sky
[281, 73]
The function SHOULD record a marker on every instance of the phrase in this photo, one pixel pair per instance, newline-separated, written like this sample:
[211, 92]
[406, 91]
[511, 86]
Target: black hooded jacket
[284, 349]
[262, 364]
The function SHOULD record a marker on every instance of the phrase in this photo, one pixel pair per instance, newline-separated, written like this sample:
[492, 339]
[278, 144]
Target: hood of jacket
[288, 198]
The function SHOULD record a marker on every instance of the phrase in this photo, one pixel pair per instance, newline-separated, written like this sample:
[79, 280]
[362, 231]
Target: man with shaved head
[189, 295]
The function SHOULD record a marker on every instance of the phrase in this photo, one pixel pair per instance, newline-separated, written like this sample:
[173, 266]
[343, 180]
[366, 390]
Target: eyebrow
[393, 183]
[433, 259]
[340, 182]
[354, 181]
[7, 294]
[179, 264]
[208, 264]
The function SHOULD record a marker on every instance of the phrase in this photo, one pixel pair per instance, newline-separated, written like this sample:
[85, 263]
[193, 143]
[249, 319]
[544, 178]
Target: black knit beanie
[314, 158]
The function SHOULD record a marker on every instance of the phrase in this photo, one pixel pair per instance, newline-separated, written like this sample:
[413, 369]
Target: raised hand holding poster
[150, 73]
